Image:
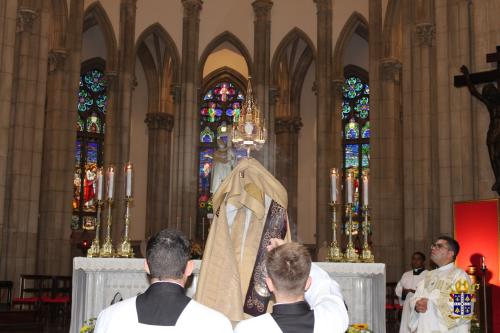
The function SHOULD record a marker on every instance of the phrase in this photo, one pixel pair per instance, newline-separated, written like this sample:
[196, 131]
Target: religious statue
[223, 162]
[490, 96]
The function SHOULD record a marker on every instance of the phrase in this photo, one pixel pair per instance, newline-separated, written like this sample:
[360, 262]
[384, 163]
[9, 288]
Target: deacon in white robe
[164, 307]
[406, 287]
[432, 308]
[323, 310]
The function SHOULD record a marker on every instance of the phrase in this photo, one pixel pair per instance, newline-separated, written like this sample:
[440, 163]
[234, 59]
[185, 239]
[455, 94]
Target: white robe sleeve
[325, 298]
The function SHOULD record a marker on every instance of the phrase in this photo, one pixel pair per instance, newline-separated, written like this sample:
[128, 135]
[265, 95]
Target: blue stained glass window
[365, 131]
[219, 108]
[90, 125]
[356, 134]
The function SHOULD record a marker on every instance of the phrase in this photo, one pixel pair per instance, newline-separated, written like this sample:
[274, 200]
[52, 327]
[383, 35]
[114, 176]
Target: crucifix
[490, 97]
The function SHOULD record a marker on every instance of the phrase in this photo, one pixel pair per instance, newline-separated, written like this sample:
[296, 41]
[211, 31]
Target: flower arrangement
[358, 328]
[88, 326]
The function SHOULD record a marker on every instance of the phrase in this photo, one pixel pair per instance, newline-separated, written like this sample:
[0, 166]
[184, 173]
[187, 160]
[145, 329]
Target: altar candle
[100, 183]
[365, 188]
[190, 227]
[333, 185]
[128, 175]
[111, 181]
[349, 184]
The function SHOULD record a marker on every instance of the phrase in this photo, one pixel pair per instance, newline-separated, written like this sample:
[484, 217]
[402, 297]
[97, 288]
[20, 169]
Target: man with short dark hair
[290, 274]
[163, 307]
[433, 310]
[407, 285]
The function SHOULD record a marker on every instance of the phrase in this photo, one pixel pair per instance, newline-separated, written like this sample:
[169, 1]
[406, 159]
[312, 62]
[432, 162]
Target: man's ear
[146, 267]
[308, 283]
[270, 284]
[189, 268]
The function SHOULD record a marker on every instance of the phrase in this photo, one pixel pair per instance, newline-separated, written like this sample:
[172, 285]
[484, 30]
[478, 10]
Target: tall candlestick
[333, 185]
[128, 175]
[365, 188]
[190, 227]
[111, 181]
[178, 222]
[202, 229]
[349, 181]
[100, 184]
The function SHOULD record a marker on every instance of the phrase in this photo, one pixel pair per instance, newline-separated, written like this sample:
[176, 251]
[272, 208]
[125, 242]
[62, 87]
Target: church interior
[366, 87]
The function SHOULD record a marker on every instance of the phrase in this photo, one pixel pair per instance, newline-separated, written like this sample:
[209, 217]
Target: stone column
[160, 125]
[8, 16]
[419, 128]
[117, 139]
[19, 239]
[184, 197]
[262, 75]
[326, 118]
[59, 149]
[287, 139]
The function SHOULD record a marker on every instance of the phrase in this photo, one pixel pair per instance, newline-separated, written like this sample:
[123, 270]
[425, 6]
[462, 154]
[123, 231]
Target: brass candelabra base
[125, 250]
[93, 251]
[366, 254]
[334, 253]
[107, 249]
[350, 254]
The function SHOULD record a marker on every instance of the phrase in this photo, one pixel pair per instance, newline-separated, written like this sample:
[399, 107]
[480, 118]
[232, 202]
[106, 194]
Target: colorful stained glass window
[219, 108]
[91, 108]
[356, 137]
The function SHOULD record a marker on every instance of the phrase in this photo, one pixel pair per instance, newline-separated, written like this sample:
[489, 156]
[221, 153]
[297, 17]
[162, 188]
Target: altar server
[290, 273]
[443, 300]
[164, 307]
[407, 285]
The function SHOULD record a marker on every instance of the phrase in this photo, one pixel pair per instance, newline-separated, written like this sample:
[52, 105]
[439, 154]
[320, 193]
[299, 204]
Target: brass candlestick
[366, 254]
[350, 252]
[107, 247]
[125, 249]
[93, 251]
[334, 253]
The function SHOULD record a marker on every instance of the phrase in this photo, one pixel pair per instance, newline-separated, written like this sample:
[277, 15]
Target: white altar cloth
[96, 281]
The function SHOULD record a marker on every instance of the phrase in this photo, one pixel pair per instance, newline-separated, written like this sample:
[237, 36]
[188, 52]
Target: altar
[99, 281]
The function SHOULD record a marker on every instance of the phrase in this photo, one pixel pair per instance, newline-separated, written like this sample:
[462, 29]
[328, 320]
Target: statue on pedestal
[223, 163]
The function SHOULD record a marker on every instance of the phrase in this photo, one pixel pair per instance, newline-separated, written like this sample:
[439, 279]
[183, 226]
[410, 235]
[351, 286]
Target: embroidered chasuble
[250, 208]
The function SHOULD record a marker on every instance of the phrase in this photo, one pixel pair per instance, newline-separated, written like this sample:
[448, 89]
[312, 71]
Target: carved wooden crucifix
[489, 96]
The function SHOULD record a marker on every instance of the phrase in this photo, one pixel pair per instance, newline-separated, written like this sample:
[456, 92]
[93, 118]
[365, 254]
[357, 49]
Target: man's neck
[179, 282]
[287, 299]
[446, 263]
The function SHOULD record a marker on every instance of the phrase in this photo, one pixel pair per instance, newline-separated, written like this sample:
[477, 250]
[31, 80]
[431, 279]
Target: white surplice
[324, 297]
[436, 287]
[122, 318]
[408, 281]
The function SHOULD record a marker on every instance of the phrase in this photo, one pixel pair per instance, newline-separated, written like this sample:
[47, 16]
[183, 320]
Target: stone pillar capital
[323, 5]
[337, 85]
[390, 69]
[25, 18]
[425, 33]
[159, 120]
[262, 8]
[57, 58]
[111, 77]
[192, 7]
[288, 125]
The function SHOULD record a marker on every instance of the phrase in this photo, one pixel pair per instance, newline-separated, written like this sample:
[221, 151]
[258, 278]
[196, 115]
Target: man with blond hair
[307, 300]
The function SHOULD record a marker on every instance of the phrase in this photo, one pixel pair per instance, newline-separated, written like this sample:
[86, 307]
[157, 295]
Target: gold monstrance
[249, 131]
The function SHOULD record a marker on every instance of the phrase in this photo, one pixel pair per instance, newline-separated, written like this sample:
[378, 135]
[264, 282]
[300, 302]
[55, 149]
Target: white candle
[349, 181]
[111, 181]
[190, 228]
[202, 229]
[333, 185]
[178, 220]
[128, 175]
[100, 183]
[365, 188]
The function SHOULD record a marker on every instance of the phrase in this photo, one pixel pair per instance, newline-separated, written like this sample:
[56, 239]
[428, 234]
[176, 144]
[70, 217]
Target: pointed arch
[171, 48]
[224, 73]
[392, 33]
[304, 57]
[356, 23]
[95, 14]
[230, 38]
[58, 23]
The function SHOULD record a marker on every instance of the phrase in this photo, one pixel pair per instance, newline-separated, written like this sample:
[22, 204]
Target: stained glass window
[91, 108]
[356, 136]
[220, 107]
